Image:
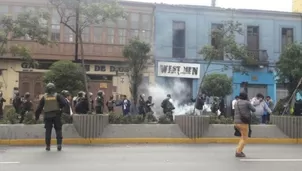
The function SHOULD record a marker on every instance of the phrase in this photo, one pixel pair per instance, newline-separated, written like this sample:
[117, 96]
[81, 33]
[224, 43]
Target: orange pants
[244, 130]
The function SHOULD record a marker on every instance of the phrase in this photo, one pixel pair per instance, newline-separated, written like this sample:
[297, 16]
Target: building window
[145, 36]
[215, 39]
[98, 32]
[85, 34]
[110, 35]
[55, 32]
[55, 26]
[253, 42]
[134, 33]
[134, 20]
[287, 37]
[3, 10]
[68, 35]
[17, 10]
[146, 21]
[179, 37]
[122, 36]
[122, 22]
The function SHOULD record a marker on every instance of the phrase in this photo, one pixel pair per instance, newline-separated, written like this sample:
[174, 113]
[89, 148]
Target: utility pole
[76, 53]
[213, 3]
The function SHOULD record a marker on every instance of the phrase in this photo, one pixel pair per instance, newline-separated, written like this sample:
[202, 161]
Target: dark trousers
[53, 122]
[233, 113]
[266, 119]
[99, 110]
[1, 112]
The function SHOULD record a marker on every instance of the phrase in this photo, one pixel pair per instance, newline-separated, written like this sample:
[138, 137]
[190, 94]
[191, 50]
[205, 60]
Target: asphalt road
[214, 157]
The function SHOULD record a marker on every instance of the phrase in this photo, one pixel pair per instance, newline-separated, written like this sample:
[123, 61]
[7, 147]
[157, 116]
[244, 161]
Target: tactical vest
[51, 103]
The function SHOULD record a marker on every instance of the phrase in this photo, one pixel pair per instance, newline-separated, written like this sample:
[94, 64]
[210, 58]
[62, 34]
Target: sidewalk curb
[82, 141]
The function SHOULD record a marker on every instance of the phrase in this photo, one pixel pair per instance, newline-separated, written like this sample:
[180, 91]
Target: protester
[233, 106]
[242, 119]
[260, 105]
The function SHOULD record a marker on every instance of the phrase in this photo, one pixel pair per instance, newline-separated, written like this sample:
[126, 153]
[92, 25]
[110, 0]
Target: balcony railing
[257, 57]
[66, 50]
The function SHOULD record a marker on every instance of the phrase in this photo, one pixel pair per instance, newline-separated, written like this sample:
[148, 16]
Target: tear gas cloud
[179, 91]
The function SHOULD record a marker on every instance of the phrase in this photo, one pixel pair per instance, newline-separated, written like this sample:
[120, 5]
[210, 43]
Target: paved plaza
[146, 157]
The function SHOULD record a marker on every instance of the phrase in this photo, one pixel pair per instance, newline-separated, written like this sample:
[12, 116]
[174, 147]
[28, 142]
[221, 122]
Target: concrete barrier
[21, 131]
[258, 131]
[290, 125]
[193, 126]
[94, 129]
[90, 126]
[143, 131]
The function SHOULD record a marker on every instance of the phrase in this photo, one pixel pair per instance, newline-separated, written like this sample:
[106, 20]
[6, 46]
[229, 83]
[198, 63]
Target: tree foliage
[219, 85]
[65, 74]
[89, 13]
[226, 45]
[137, 56]
[29, 25]
[289, 66]
[84, 14]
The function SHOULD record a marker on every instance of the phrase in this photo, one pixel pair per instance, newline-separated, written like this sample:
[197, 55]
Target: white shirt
[233, 103]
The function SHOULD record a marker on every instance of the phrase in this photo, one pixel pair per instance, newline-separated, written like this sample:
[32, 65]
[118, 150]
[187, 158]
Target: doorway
[180, 89]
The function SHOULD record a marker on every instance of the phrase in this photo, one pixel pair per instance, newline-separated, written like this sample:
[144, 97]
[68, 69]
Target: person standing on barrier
[17, 102]
[242, 119]
[67, 111]
[26, 106]
[2, 100]
[52, 103]
[99, 100]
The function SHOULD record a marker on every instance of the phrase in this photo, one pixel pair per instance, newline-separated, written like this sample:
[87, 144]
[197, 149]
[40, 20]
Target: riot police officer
[26, 106]
[66, 111]
[52, 104]
[99, 100]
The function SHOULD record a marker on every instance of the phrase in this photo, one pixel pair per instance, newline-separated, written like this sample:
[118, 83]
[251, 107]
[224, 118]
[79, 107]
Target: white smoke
[179, 91]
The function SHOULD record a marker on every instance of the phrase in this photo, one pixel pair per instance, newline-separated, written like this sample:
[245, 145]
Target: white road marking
[271, 160]
[9, 162]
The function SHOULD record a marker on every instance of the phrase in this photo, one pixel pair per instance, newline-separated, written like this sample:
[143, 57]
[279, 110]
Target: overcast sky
[276, 5]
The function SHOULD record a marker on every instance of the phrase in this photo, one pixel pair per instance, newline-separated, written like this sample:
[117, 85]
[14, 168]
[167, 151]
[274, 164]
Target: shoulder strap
[238, 107]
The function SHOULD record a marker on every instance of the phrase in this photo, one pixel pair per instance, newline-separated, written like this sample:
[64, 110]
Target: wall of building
[297, 5]
[9, 79]
[199, 21]
[198, 27]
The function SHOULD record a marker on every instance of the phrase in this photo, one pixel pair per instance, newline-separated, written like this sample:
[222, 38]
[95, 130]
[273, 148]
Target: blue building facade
[274, 30]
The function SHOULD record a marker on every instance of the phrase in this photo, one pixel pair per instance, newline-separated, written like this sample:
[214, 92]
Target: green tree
[30, 25]
[219, 85]
[65, 74]
[289, 66]
[226, 46]
[137, 56]
[79, 14]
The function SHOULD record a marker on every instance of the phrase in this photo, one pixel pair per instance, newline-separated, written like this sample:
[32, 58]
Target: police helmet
[50, 88]
[27, 95]
[65, 93]
[100, 93]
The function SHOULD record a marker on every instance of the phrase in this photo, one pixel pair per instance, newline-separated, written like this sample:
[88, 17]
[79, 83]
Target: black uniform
[2, 100]
[66, 110]
[17, 102]
[142, 106]
[168, 107]
[149, 104]
[53, 104]
[26, 106]
[99, 103]
[110, 104]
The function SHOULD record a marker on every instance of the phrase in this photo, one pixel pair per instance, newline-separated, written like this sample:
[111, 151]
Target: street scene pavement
[197, 157]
